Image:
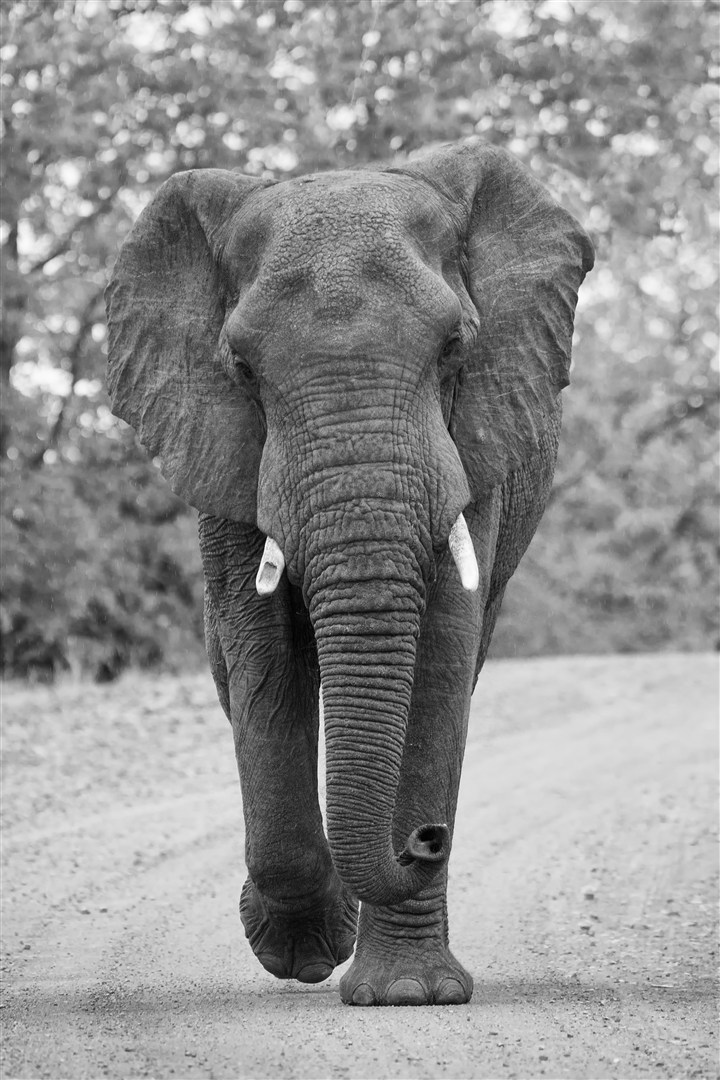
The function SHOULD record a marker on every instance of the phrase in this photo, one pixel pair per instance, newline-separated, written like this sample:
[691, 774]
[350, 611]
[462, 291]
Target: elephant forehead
[325, 208]
[345, 252]
[333, 231]
[338, 201]
[331, 245]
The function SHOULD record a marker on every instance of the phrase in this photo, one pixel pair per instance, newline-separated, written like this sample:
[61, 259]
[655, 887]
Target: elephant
[354, 376]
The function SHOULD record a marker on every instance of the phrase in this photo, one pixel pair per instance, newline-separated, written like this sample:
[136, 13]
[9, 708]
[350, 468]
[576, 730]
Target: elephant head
[348, 360]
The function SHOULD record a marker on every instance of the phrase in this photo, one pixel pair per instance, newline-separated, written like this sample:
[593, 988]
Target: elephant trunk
[366, 630]
[375, 492]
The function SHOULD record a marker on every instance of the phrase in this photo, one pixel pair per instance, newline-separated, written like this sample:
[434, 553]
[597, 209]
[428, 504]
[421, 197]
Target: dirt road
[583, 889]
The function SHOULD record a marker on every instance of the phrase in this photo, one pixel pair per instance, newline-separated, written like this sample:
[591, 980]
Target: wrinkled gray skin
[345, 362]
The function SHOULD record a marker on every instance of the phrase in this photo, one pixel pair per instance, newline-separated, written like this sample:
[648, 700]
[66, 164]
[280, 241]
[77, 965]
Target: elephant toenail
[363, 995]
[276, 965]
[314, 973]
[406, 992]
[451, 992]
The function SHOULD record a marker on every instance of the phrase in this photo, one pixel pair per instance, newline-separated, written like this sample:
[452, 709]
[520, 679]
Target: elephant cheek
[448, 489]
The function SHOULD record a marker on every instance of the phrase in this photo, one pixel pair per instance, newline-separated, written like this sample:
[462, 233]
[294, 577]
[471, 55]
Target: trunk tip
[427, 843]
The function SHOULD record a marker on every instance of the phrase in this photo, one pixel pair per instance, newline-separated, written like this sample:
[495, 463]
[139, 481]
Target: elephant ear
[165, 372]
[523, 259]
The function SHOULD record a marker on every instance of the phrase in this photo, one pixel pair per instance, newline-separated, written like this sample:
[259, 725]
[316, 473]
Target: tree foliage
[614, 104]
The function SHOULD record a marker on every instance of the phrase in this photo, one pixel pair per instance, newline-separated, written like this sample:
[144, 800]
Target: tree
[612, 103]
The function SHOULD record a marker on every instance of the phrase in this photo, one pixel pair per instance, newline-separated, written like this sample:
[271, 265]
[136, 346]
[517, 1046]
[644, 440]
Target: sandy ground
[583, 889]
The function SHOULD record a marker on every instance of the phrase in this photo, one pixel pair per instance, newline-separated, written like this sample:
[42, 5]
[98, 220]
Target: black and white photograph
[360, 539]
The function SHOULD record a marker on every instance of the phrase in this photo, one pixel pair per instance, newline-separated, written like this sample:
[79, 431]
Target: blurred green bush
[101, 568]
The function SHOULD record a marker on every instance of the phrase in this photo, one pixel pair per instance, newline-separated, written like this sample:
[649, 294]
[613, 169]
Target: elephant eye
[449, 353]
[243, 369]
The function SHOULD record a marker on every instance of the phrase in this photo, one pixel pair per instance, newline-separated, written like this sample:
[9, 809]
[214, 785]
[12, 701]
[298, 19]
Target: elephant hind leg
[305, 944]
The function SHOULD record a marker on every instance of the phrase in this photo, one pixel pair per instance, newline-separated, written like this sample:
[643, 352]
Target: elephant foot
[425, 973]
[306, 944]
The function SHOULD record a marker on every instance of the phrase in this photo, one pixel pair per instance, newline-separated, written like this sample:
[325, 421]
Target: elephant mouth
[460, 544]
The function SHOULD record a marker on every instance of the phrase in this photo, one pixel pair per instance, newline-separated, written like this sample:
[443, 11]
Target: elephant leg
[298, 917]
[403, 955]
[492, 610]
[216, 658]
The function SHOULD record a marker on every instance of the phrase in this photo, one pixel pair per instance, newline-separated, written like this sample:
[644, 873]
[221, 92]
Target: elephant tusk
[463, 553]
[272, 565]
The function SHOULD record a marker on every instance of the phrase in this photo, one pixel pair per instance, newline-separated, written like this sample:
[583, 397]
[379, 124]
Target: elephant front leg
[299, 919]
[403, 954]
